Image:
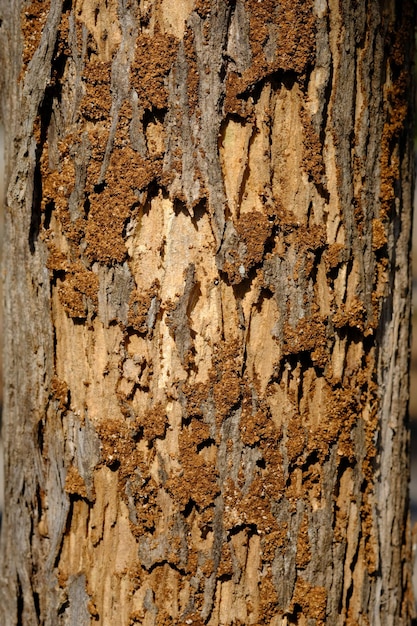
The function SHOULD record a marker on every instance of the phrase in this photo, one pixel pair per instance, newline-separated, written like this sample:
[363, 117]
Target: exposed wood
[207, 312]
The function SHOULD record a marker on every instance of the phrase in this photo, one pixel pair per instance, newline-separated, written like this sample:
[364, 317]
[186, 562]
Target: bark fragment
[208, 229]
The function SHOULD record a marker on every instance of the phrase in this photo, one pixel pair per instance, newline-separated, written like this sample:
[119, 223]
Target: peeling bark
[207, 312]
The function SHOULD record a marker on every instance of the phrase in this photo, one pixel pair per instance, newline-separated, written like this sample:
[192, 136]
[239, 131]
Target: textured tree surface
[207, 301]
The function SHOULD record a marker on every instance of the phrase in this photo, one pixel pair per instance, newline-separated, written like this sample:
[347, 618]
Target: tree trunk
[207, 312]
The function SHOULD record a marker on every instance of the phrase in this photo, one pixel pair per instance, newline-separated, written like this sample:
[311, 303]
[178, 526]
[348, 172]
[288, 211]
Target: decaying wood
[207, 310]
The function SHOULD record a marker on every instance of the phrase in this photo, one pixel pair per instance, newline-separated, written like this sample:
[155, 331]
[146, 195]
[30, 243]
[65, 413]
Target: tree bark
[207, 300]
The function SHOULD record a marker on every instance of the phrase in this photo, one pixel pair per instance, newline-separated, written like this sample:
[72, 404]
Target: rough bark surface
[207, 310]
